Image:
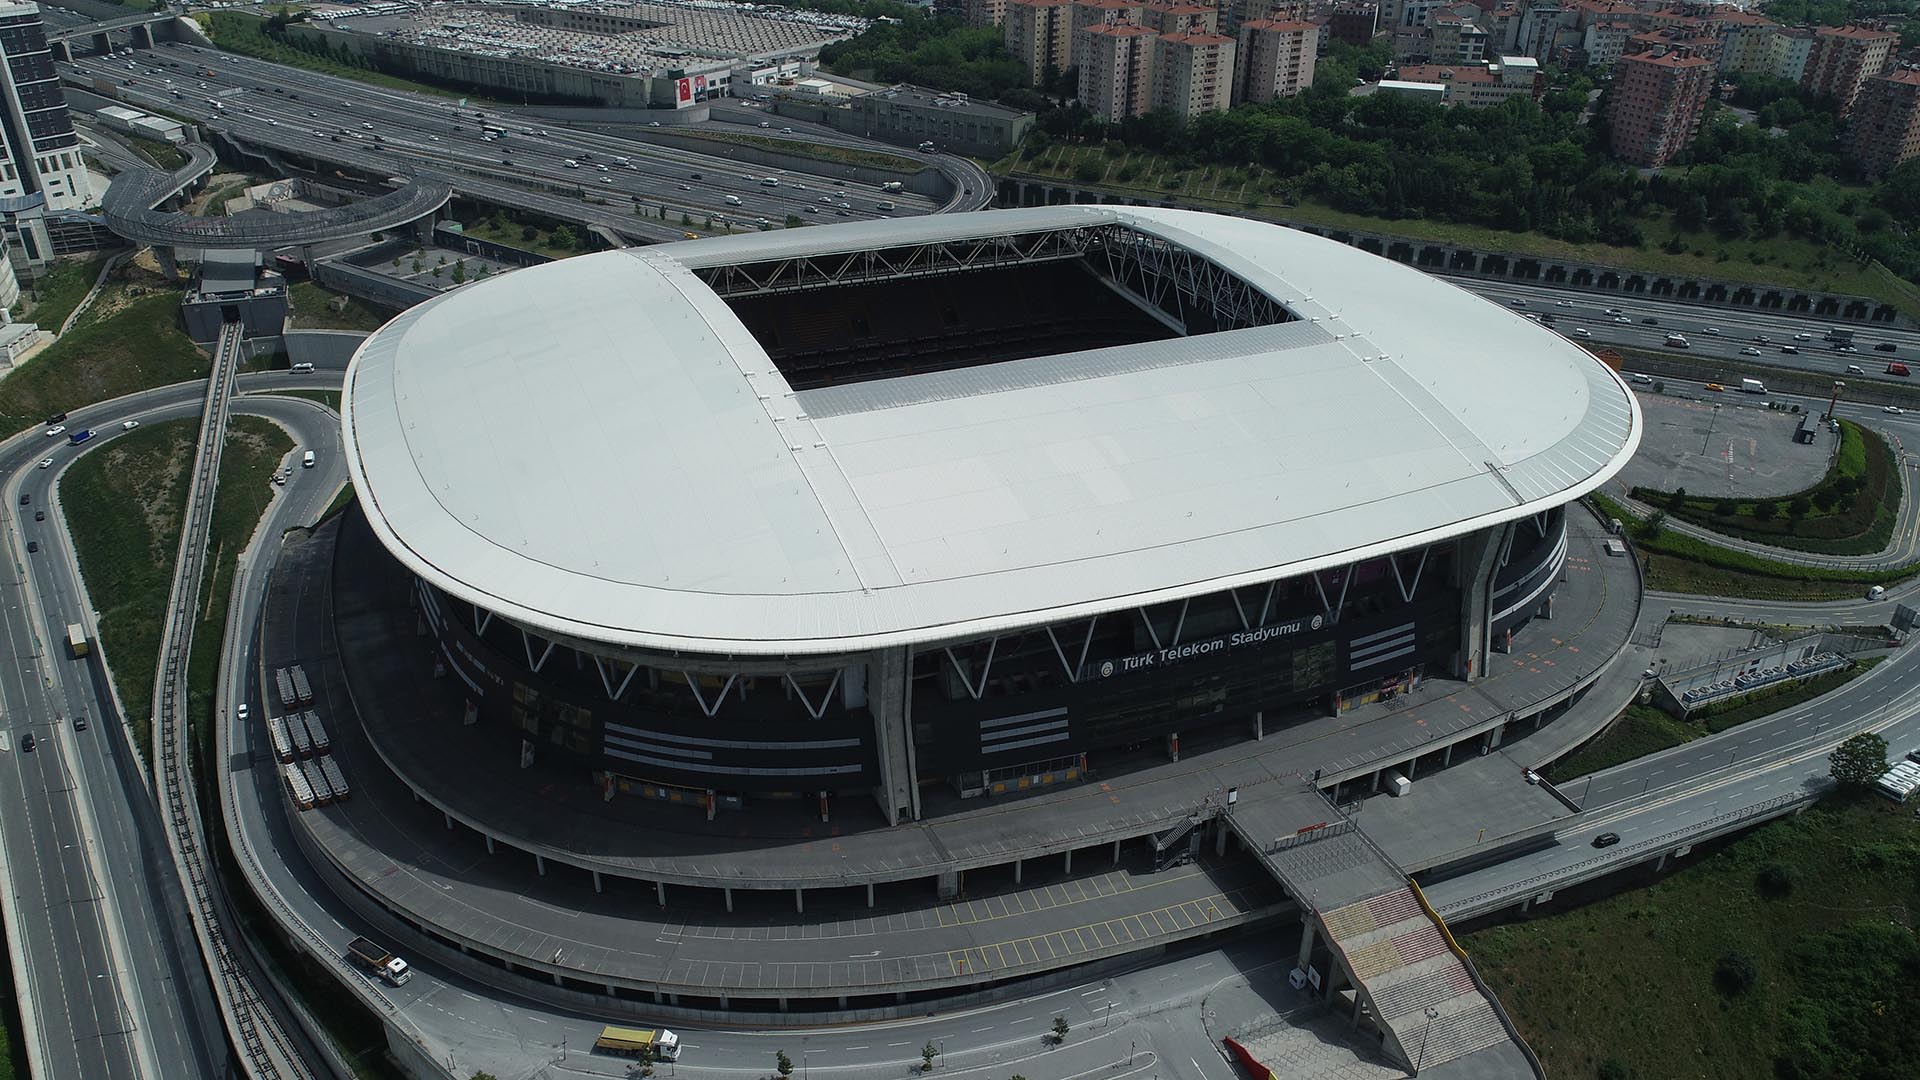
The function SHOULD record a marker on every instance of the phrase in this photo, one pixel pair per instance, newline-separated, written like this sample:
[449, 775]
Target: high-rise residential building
[1235, 12]
[1658, 99]
[1088, 14]
[1182, 17]
[986, 12]
[1039, 34]
[1789, 55]
[1886, 122]
[1274, 59]
[1452, 39]
[1353, 23]
[1116, 70]
[1605, 43]
[1193, 74]
[1843, 58]
[41, 151]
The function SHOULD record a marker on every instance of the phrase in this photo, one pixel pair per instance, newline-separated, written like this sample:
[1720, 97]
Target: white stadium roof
[598, 448]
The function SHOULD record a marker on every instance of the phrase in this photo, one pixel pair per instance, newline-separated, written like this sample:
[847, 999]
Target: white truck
[1752, 386]
[376, 960]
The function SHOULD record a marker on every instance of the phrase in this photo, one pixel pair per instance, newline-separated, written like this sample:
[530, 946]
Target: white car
[1714, 330]
[56, 430]
[686, 187]
[129, 425]
[1516, 303]
[606, 179]
[1623, 319]
[1749, 351]
[1803, 337]
[46, 463]
[1613, 311]
[1581, 331]
[1563, 303]
[240, 711]
[653, 123]
[1895, 410]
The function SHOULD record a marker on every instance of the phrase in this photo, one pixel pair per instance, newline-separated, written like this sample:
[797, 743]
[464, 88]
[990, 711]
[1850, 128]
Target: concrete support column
[889, 697]
[1493, 737]
[728, 893]
[1220, 838]
[598, 885]
[1411, 762]
[1069, 862]
[673, 998]
[1306, 942]
[782, 999]
[869, 894]
[1546, 609]
[947, 884]
[660, 892]
[613, 991]
[1661, 864]
[1376, 779]
[1116, 853]
[540, 863]
[799, 906]
[448, 818]
[1446, 758]
[1018, 867]
[416, 795]
[1259, 726]
[724, 1003]
[489, 844]
[556, 978]
[842, 1002]
[1173, 745]
[1479, 559]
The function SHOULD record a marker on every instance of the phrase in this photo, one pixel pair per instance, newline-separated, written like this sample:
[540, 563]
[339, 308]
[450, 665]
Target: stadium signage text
[1124, 665]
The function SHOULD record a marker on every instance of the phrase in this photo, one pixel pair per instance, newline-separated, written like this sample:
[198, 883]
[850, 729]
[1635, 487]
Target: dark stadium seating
[820, 337]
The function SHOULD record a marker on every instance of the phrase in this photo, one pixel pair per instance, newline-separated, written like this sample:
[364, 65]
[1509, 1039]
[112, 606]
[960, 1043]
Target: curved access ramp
[129, 210]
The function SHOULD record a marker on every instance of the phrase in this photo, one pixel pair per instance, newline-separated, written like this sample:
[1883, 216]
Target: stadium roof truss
[1165, 279]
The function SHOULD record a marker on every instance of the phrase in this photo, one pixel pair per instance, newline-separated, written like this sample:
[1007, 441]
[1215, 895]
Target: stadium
[962, 502]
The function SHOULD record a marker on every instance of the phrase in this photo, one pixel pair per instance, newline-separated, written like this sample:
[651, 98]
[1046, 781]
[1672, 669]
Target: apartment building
[1843, 58]
[1886, 122]
[1039, 34]
[1116, 69]
[1658, 99]
[1193, 74]
[1088, 14]
[1178, 17]
[1274, 59]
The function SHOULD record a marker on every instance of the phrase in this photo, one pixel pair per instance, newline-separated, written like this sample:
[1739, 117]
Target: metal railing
[257, 1034]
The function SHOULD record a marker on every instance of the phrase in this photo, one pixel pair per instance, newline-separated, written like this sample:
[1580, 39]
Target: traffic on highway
[622, 183]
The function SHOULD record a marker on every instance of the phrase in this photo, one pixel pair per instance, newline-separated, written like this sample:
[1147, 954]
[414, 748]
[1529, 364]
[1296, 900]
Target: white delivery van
[306, 460]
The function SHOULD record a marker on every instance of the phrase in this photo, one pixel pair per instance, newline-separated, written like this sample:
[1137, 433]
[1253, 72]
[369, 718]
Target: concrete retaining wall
[326, 349]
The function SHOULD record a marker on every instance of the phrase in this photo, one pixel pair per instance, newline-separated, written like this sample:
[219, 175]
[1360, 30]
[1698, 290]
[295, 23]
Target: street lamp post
[1432, 1015]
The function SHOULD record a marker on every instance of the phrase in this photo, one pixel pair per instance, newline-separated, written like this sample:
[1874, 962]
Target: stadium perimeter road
[91, 1017]
[778, 845]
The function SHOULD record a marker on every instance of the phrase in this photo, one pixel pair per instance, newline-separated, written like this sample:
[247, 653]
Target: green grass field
[329, 398]
[123, 504]
[1778, 260]
[1679, 563]
[1817, 906]
[136, 348]
[59, 291]
[316, 308]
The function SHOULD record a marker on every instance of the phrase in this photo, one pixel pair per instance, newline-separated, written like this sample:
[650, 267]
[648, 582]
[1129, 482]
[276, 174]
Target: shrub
[1775, 879]
[1734, 974]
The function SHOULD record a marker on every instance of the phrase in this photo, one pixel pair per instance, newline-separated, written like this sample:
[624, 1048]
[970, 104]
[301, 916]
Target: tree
[1734, 974]
[460, 272]
[1678, 500]
[528, 232]
[1775, 879]
[1724, 508]
[564, 239]
[1655, 524]
[1859, 761]
[1765, 509]
[1799, 507]
[927, 1054]
[1060, 1028]
[782, 1064]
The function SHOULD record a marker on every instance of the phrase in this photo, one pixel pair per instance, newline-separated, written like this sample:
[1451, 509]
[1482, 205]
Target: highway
[1574, 310]
[400, 132]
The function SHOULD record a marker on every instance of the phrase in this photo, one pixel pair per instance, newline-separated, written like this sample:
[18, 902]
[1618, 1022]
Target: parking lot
[1731, 447]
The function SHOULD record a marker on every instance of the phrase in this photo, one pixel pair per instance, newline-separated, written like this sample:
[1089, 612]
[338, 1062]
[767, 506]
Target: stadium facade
[970, 498]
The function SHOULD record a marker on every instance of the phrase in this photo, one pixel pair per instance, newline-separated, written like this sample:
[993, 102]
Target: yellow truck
[634, 1042]
[77, 640]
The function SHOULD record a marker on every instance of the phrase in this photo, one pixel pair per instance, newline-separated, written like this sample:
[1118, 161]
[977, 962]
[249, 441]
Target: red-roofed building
[1193, 74]
[1116, 70]
[1843, 58]
[1658, 99]
[1886, 122]
[1274, 59]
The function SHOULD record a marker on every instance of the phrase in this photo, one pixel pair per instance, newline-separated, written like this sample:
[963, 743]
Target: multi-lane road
[1601, 315]
[615, 181]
